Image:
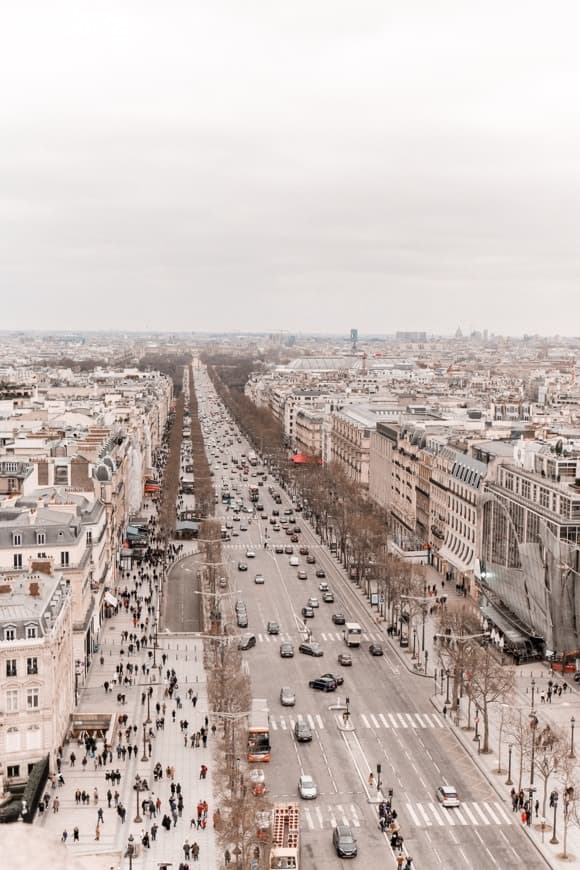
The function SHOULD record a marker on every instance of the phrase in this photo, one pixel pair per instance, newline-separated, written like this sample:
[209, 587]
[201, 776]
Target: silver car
[287, 696]
[307, 788]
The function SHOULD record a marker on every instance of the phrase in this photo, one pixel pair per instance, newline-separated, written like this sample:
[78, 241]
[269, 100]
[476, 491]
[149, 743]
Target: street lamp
[533, 684]
[509, 776]
[572, 723]
[533, 723]
[145, 756]
[130, 850]
[447, 699]
[139, 786]
[414, 642]
[554, 797]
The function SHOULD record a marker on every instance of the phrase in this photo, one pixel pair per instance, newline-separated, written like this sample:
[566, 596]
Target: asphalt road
[395, 722]
[182, 611]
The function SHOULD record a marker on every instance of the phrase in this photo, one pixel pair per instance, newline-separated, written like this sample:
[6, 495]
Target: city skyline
[257, 168]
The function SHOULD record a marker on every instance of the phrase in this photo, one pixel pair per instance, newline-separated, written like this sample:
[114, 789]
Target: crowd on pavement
[133, 787]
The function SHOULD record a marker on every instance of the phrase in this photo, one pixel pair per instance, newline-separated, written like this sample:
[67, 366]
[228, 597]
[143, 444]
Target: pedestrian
[55, 805]
[154, 829]
[195, 851]
[96, 795]
[97, 833]
[75, 835]
[186, 850]
[100, 817]
[73, 758]
[64, 837]
[227, 857]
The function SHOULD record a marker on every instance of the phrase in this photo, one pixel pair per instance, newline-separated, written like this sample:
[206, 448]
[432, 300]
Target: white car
[294, 561]
[447, 796]
[313, 602]
[250, 554]
[307, 788]
[259, 579]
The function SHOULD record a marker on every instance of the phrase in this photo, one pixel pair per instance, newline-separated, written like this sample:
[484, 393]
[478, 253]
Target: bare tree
[489, 682]
[549, 751]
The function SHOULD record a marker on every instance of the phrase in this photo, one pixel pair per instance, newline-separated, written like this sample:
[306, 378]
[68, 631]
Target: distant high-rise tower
[354, 339]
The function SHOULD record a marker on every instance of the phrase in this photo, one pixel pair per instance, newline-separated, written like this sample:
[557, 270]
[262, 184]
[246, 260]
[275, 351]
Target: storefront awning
[110, 599]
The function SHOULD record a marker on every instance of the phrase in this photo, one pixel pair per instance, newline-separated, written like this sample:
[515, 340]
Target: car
[259, 507]
[288, 512]
[276, 527]
[294, 561]
[297, 530]
[323, 684]
[320, 572]
[259, 579]
[229, 525]
[304, 551]
[376, 649]
[223, 582]
[242, 566]
[343, 841]
[278, 549]
[236, 517]
[323, 586]
[307, 788]
[273, 627]
[311, 559]
[240, 605]
[275, 512]
[328, 597]
[302, 575]
[294, 539]
[307, 612]
[302, 731]
[242, 619]
[313, 602]
[247, 642]
[447, 796]
[288, 549]
[272, 521]
[250, 554]
[345, 659]
[577, 677]
[235, 534]
[311, 649]
[286, 650]
[338, 618]
[287, 696]
[243, 527]
[337, 679]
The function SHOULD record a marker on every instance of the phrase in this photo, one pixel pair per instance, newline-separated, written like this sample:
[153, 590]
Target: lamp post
[139, 786]
[572, 723]
[447, 699]
[130, 850]
[149, 693]
[533, 684]
[145, 756]
[414, 643]
[533, 723]
[554, 840]
[509, 776]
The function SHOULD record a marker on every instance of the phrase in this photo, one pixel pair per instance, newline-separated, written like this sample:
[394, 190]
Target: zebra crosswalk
[317, 817]
[430, 814]
[326, 636]
[411, 721]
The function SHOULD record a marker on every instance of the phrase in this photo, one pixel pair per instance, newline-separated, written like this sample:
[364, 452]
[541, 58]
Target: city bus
[259, 731]
[352, 634]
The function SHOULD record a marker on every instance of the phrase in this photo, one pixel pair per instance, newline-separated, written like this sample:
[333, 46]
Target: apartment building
[36, 670]
[351, 430]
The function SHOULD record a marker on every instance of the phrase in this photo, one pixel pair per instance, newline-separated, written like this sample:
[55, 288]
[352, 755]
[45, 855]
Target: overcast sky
[312, 165]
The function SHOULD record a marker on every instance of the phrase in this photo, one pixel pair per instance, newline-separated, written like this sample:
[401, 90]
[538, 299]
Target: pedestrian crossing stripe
[284, 637]
[366, 720]
[429, 814]
[339, 814]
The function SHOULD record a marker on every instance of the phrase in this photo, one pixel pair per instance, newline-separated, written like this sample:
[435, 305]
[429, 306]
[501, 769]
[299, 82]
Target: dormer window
[31, 632]
[9, 633]
[16, 539]
[41, 537]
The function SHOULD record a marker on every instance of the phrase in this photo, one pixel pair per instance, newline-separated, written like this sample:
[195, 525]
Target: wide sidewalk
[185, 654]
[557, 714]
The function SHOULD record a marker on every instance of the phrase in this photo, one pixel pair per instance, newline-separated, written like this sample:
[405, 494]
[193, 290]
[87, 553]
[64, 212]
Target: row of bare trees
[170, 484]
[228, 686]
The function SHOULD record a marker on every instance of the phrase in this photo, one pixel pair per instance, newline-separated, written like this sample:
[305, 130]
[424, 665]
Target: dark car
[307, 613]
[311, 559]
[345, 659]
[288, 550]
[338, 618]
[337, 679]
[324, 684]
[320, 572]
[286, 650]
[302, 731]
[273, 627]
[311, 649]
[376, 649]
[328, 597]
[247, 642]
[242, 566]
[303, 551]
[344, 842]
[294, 539]
[278, 548]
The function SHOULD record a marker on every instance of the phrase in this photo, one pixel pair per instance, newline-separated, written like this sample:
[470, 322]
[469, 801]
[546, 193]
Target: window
[12, 701]
[18, 560]
[9, 634]
[13, 771]
[10, 667]
[89, 537]
[41, 538]
[32, 666]
[30, 631]
[17, 539]
[32, 699]
[64, 559]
